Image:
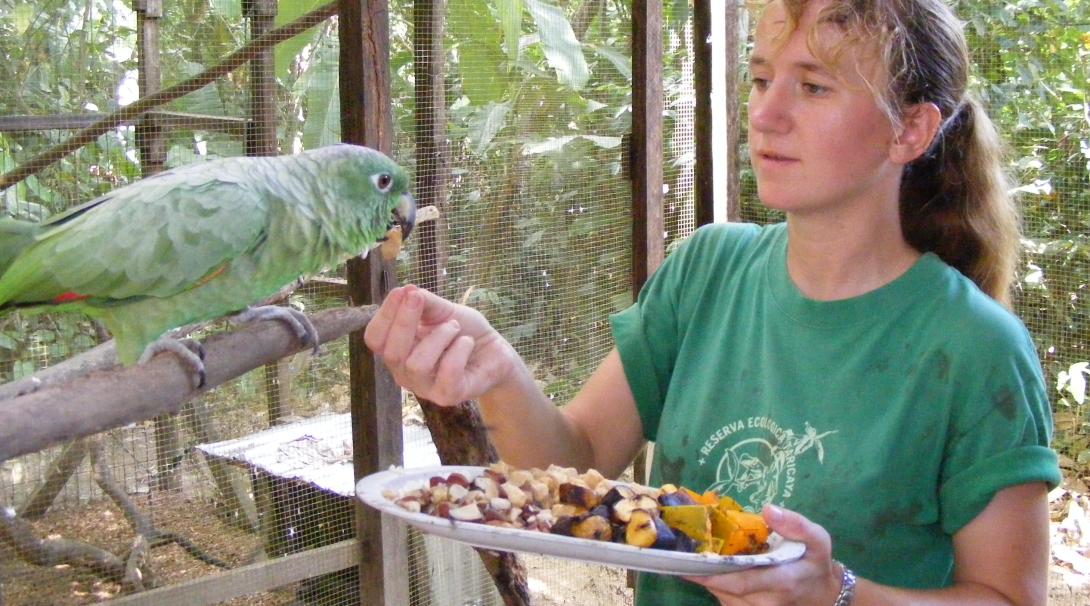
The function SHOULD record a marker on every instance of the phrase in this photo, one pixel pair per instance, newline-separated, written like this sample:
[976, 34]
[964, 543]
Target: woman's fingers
[812, 577]
[430, 346]
[378, 328]
[451, 376]
[422, 360]
[797, 527]
[401, 337]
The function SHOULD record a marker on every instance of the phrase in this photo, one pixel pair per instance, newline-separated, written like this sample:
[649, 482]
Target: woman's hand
[813, 580]
[441, 351]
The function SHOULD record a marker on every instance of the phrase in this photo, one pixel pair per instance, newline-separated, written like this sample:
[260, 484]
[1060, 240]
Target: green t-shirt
[891, 418]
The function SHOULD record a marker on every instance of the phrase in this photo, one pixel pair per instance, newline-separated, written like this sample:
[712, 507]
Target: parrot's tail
[15, 236]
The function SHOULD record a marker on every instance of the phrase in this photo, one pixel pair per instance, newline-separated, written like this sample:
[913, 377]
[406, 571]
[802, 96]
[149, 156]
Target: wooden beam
[647, 124]
[104, 400]
[375, 399]
[733, 39]
[260, 577]
[164, 120]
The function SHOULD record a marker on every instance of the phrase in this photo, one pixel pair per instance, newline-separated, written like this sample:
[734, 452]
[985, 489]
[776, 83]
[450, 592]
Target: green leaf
[228, 10]
[23, 369]
[551, 144]
[480, 57]
[23, 17]
[486, 124]
[7, 342]
[286, 51]
[603, 142]
[510, 12]
[320, 86]
[620, 61]
[1073, 381]
[563, 50]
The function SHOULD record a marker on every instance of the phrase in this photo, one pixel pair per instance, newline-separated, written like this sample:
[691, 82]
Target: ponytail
[955, 202]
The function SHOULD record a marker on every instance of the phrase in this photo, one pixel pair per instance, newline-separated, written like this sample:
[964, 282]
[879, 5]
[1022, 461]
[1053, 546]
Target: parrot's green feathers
[202, 241]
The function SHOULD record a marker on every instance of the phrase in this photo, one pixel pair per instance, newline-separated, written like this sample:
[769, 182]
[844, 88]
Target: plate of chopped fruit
[580, 516]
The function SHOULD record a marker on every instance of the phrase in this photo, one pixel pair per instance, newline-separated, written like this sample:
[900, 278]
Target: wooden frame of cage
[379, 552]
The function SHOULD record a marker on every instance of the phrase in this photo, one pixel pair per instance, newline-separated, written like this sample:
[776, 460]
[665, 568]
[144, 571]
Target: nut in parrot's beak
[404, 220]
[391, 244]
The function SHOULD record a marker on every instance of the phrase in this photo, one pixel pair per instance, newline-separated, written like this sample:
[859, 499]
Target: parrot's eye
[383, 181]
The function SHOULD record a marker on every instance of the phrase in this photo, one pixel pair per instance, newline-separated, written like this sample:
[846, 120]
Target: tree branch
[103, 400]
[51, 552]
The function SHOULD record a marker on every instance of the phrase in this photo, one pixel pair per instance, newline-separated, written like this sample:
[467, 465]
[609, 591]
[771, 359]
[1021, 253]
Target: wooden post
[647, 124]
[261, 129]
[733, 36]
[261, 141]
[149, 140]
[703, 46]
[432, 152]
[149, 137]
[375, 397]
[648, 247]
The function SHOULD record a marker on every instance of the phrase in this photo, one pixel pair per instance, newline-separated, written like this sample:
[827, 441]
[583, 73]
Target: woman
[852, 372]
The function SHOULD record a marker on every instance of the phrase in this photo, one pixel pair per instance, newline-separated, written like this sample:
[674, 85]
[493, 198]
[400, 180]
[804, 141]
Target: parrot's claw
[189, 351]
[298, 321]
[29, 385]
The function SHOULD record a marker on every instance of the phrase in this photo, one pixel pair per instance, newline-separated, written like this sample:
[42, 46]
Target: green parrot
[204, 241]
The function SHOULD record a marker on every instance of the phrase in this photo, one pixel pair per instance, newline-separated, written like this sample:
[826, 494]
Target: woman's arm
[599, 428]
[449, 353]
[1000, 559]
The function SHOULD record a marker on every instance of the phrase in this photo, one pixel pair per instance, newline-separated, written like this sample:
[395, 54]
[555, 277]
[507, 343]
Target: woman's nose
[769, 109]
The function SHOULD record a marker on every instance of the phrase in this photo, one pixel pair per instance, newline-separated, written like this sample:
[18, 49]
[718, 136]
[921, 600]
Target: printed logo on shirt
[756, 458]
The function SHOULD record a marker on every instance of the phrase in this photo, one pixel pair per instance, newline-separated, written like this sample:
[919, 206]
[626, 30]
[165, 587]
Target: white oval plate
[370, 491]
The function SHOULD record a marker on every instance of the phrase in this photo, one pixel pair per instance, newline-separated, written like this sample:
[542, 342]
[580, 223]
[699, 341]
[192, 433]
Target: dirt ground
[553, 582]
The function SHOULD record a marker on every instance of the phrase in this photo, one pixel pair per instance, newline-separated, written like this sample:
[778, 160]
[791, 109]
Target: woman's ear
[919, 124]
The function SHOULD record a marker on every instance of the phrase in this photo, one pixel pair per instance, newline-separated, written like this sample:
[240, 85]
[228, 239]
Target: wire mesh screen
[528, 165]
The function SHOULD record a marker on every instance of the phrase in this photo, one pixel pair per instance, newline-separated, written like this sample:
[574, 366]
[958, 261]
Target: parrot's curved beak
[405, 214]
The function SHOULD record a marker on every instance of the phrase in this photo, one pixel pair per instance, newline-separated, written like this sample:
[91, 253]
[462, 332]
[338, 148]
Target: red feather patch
[69, 297]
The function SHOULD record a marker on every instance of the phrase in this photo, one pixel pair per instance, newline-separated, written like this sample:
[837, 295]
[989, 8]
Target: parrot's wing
[156, 237]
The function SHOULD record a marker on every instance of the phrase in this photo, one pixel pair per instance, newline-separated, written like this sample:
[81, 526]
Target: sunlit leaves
[562, 50]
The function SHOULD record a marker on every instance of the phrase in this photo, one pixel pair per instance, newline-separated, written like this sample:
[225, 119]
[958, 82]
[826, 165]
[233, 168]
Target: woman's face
[818, 139]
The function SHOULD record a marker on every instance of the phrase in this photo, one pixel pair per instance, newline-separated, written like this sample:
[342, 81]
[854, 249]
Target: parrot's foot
[189, 352]
[28, 386]
[295, 319]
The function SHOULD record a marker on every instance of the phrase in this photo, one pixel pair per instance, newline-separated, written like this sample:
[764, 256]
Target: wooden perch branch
[112, 398]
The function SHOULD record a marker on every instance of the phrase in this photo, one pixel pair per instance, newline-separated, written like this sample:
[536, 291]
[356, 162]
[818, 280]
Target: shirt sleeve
[1000, 435]
[648, 334]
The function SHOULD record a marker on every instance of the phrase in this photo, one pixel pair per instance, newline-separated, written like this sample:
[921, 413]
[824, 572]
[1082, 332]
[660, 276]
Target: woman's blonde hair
[955, 199]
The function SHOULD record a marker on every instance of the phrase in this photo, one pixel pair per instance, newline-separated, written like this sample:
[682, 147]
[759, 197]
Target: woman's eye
[814, 89]
[383, 181]
[759, 83]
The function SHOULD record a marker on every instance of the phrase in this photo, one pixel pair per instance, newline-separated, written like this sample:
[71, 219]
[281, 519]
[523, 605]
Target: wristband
[847, 587]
